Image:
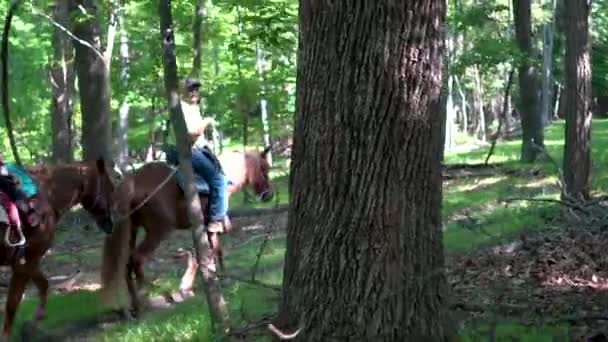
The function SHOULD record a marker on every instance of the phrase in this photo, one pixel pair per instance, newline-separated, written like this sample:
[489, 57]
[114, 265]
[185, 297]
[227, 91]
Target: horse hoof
[134, 313]
[125, 314]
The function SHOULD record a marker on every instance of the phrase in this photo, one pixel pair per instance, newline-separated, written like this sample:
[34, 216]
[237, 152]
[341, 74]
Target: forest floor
[517, 270]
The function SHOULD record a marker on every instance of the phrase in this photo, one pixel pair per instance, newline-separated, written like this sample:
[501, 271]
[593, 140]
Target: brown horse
[59, 189]
[151, 197]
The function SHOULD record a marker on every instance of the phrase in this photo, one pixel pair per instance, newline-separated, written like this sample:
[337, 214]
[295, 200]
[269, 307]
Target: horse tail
[116, 249]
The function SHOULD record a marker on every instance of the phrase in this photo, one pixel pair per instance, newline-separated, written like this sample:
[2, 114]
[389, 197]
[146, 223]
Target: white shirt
[194, 121]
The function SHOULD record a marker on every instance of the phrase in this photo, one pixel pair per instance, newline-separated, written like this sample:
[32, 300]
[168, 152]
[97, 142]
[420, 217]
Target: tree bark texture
[531, 119]
[197, 26]
[364, 258]
[93, 83]
[62, 79]
[123, 112]
[217, 305]
[577, 150]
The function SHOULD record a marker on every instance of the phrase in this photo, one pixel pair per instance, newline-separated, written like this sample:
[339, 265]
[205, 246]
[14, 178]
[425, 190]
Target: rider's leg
[218, 198]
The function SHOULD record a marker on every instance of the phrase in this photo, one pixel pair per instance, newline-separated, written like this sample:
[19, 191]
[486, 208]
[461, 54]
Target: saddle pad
[201, 185]
[26, 183]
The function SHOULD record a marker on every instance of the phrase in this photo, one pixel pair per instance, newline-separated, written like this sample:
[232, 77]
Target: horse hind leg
[130, 271]
[144, 250]
[42, 283]
[16, 288]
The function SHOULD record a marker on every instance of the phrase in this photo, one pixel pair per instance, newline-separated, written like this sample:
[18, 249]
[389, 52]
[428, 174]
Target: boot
[215, 227]
[227, 225]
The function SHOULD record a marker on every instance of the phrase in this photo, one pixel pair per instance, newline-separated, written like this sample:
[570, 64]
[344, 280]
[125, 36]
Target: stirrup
[7, 239]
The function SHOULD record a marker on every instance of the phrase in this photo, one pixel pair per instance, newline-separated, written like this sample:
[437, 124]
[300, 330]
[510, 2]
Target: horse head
[98, 180]
[256, 174]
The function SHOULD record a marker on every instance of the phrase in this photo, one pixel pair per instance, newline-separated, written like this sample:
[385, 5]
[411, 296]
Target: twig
[68, 32]
[566, 203]
[261, 250]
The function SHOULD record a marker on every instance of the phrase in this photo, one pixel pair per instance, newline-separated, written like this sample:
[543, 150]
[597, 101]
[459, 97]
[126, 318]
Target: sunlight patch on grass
[475, 184]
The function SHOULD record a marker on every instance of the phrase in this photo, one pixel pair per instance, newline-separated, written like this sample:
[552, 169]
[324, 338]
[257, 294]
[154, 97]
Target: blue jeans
[204, 166]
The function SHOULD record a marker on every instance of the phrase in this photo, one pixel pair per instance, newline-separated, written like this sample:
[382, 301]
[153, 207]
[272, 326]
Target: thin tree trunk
[364, 259]
[546, 88]
[217, 305]
[263, 103]
[93, 83]
[529, 111]
[463, 101]
[197, 27]
[62, 79]
[558, 102]
[481, 121]
[577, 150]
[123, 112]
[111, 37]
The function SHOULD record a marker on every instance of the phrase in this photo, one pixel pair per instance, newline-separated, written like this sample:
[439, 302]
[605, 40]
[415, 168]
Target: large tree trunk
[217, 305]
[93, 83]
[364, 259]
[531, 120]
[62, 79]
[577, 152]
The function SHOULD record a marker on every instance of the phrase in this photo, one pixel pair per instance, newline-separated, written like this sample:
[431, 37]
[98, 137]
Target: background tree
[365, 176]
[62, 80]
[531, 120]
[577, 150]
[93, 82]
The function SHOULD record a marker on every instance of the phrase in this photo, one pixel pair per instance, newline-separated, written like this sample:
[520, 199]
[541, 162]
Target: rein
[119, 218]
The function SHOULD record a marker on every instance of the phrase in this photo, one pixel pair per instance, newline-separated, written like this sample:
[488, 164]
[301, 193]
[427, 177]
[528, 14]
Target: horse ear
[265, 152]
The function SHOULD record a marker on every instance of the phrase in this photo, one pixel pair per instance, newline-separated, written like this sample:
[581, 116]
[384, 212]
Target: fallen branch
[281, 335]
[259, 324]
[249, 281]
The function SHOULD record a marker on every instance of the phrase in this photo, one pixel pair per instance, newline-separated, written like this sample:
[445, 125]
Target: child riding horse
[13, 199]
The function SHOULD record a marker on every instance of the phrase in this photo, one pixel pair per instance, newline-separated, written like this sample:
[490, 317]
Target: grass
[473, 218]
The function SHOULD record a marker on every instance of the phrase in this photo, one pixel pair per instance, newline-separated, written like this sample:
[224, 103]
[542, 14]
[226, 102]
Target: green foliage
[230, 92]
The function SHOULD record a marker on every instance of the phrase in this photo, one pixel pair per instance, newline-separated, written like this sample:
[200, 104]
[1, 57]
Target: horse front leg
[143, 251]
[42, 283]
[16, 288]
[133, 293]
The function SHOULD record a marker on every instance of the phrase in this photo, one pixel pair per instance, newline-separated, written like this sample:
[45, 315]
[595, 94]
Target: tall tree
[123, 112]
[364, 258]
[531, 120]
[577, 152]
[197, 39]
[215, 299]
[62, 79]
[93, 82]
